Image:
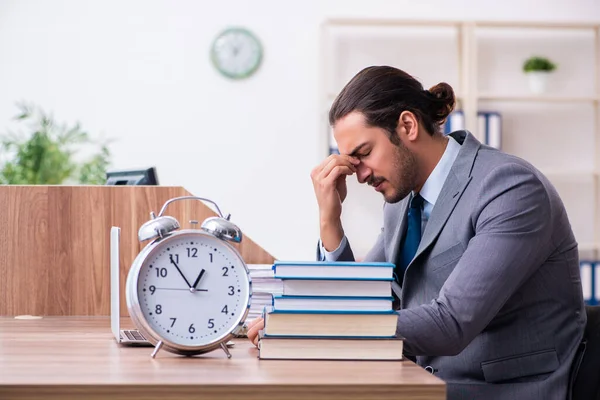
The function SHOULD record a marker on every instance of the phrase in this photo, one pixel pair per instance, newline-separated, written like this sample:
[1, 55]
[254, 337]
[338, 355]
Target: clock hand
[181, 273]
[198, 279]
[166, 288]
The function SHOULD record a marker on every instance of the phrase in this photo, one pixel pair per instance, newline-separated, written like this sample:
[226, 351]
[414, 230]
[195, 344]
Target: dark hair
[382, 93]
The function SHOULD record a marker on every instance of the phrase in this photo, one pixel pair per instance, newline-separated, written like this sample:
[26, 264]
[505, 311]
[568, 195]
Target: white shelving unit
[558, 132]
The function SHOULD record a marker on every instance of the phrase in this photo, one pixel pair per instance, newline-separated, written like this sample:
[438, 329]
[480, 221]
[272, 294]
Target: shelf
[538, 25]
[539, 98]
[330, 97]
[378, 22]
[353, 22]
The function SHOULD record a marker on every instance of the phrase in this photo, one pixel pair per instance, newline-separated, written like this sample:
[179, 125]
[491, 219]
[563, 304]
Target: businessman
[487, 270]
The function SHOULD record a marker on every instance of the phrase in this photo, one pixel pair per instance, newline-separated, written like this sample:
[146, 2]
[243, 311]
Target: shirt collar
[433, 185]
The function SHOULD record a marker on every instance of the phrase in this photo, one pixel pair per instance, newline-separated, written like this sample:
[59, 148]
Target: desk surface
[73, 357]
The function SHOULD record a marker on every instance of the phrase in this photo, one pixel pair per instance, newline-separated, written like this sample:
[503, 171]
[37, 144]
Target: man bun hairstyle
[442, 102]
[382, 93]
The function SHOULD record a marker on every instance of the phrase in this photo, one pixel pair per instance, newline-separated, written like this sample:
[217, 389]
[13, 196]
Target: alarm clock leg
[156, 349]
[226, 350]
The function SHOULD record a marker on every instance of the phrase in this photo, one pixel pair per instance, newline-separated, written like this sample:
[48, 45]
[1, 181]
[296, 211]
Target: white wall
[139, 72]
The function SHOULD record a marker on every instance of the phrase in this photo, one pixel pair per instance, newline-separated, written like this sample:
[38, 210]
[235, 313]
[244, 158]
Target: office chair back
[586, 369]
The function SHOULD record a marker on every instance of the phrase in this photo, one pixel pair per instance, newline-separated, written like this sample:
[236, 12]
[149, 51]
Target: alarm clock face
[192, 289]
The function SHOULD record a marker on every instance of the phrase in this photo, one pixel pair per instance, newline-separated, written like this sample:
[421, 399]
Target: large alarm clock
[189, 290]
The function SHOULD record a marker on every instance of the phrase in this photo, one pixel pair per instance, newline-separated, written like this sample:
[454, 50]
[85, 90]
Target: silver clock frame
[133, 301]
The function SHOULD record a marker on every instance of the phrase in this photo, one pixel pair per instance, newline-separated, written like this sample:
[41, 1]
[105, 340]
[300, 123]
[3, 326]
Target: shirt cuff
[334, 255]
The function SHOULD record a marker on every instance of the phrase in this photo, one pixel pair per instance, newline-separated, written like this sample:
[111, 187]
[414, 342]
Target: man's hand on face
[329, 182]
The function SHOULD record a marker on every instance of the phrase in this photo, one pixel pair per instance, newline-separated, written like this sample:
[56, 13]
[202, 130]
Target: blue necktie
[410, 244]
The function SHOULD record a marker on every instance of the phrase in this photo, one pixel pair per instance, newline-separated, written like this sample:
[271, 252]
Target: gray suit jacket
[492, 301]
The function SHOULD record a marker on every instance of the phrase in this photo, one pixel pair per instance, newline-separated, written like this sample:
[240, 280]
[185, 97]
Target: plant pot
[538, 81]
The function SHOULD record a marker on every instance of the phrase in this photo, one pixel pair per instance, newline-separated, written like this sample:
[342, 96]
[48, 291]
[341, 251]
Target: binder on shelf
[597, 283]
[585, 268]
[489, 125]
[482, 126]
[454, 122]
[590, 282]
[333, 147]
[493, 129]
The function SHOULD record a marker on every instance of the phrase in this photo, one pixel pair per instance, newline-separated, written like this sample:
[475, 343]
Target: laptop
[123, 336]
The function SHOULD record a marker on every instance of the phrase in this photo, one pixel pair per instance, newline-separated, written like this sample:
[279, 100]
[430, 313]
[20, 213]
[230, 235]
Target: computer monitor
[145, 176]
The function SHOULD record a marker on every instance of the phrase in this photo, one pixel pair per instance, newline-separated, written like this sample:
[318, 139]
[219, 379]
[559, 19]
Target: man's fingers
[253, 322]
[332, 165]
[331, 161]
[253, 331]
[336, 172]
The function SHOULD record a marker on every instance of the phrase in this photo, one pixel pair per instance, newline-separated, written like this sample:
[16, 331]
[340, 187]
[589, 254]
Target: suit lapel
[395, 241]
[457, 181]
[441, 211]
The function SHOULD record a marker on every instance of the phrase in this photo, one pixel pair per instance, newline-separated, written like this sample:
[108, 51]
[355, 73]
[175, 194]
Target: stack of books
[264, 287]
[332, 311]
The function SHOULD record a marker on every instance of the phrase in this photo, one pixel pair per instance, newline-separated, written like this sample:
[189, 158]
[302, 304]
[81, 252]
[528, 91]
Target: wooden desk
[69, 357]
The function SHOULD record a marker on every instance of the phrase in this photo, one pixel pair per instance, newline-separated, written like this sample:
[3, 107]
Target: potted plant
[48, 153]
[537, 69]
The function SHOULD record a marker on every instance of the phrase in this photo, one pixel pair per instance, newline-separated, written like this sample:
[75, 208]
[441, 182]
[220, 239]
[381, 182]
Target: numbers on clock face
[193, 289]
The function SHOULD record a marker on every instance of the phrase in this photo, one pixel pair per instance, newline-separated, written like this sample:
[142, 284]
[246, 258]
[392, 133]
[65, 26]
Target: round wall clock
[236, 53]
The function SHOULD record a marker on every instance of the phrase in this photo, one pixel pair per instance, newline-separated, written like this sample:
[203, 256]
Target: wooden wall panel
[24, 248]
[55, 243]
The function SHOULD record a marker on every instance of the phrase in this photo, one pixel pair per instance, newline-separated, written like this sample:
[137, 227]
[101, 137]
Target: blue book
[333, 270]
[318, 323]
[328, 303]
[330, 348]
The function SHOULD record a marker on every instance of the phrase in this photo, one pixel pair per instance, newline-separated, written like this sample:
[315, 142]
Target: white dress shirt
[430, 193]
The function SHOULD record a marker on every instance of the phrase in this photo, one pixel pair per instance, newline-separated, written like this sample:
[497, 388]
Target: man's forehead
[352, 121]
[352, 134]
